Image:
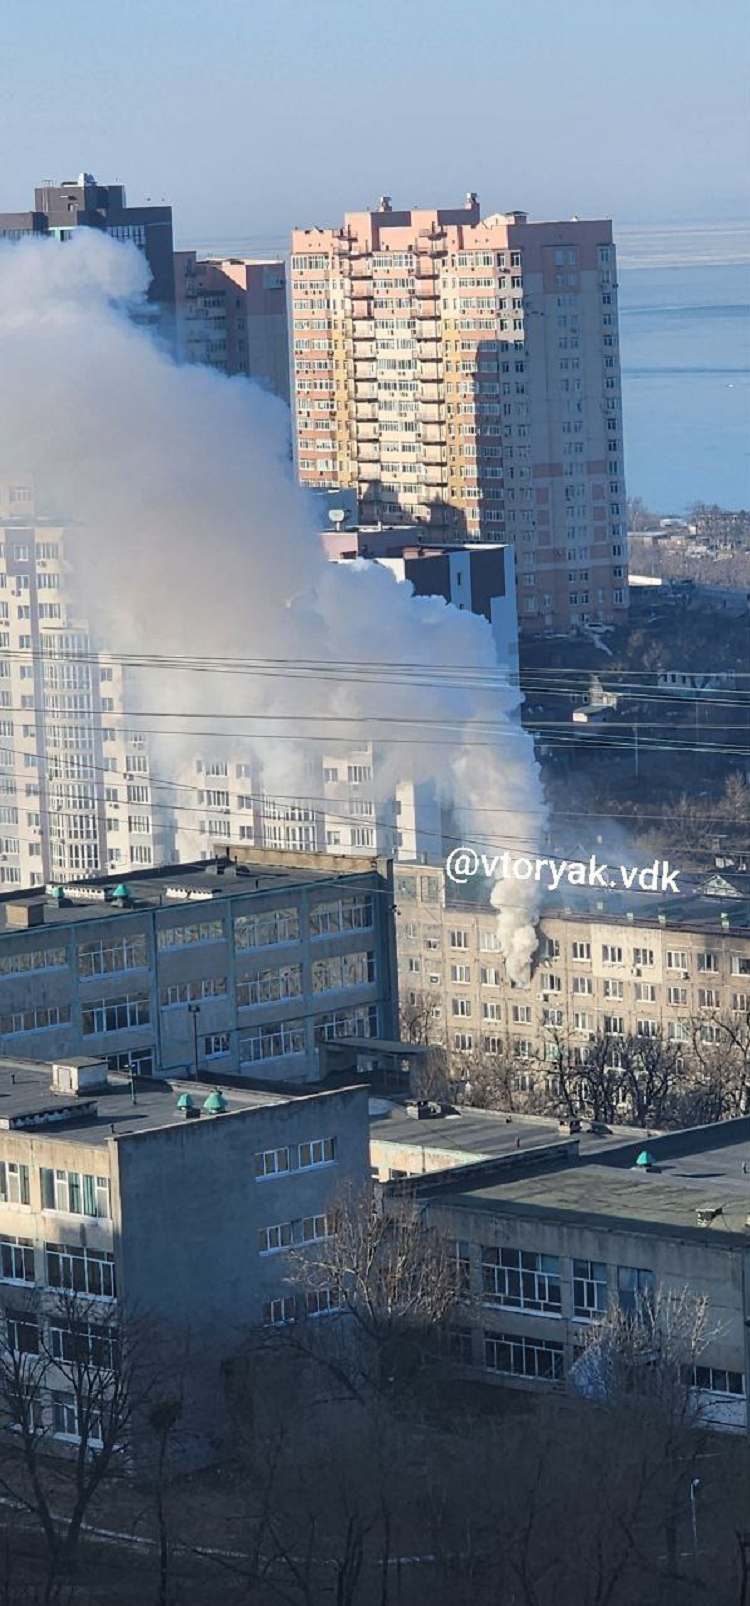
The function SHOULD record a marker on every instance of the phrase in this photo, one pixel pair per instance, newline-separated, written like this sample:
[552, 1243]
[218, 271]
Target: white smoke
[191, 539]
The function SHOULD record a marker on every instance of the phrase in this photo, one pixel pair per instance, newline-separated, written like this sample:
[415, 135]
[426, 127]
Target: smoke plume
[191, 540]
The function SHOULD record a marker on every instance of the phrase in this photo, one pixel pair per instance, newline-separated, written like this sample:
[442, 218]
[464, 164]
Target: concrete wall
[191, 1208]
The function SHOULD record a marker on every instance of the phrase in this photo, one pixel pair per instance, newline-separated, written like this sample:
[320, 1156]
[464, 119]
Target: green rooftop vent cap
[121, 892]
[186, 1102]
[57, 893]
[215, 1103]
[645, 1160]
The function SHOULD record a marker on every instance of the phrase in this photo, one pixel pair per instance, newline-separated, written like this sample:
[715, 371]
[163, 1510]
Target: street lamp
[194, 1010]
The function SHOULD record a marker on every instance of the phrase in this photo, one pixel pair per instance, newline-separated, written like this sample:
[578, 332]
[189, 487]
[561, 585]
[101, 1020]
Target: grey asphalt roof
[25, 1091]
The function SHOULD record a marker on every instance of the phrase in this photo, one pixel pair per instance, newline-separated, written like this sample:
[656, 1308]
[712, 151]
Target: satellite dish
[337, 516]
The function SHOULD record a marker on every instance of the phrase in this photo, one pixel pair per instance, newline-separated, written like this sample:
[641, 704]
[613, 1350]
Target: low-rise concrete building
[173, 1203]
[230, 968]
[547, 1241]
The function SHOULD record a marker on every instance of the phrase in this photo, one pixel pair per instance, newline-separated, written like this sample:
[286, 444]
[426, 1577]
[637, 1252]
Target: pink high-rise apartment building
[464, 373]
[231, 315]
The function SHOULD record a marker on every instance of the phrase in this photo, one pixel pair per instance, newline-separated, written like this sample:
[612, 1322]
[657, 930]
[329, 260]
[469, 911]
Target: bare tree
[390, 1282]
[74, 1384]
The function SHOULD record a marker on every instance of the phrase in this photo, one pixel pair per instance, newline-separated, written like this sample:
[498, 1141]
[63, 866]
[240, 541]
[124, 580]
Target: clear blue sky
[253, 115]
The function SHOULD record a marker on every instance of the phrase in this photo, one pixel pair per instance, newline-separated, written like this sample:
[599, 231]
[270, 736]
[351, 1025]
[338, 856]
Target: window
[461, 973]
[489, 942]
[714, 1379]
[65, 1418]
[645, 992]
[521, 1014]
[549, 948]
[14, 1182]
[708, 962]
[185, 992]
[643, 956]
[583, 984]
[677, 995]
[523, 1357]
[269, 985]
[635, 1289]
[320, 1151]
[678, 1031]
[521, 1279]
[461, 1006]
[614, 989]
[611, 954]
[272, 1162]
[74, 1193]
[708, 997]
[306, 1230]
[266, 929]
[344, 970]
[41, 1019]
[614, 1025]
[115, 1014]
[216, 1044]
[589, 1289]
[84, 1343]
[22, 1332]
[105, 958]
[490, 976]
[740, 964]
[272, 1041]
[460, 1256]
[362, 1021]
[85, 1271]
[459, 939]
[677, 959]
[278, 1311]
[31, 959]
[463, 1042]
[185, 936]
[323, 1301]
[346, 914]
[16, 1260]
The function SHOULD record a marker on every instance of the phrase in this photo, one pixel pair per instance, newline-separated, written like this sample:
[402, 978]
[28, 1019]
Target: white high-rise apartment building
[75, 790]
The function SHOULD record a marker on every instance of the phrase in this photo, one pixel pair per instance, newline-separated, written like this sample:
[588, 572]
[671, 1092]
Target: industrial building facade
[244, 970]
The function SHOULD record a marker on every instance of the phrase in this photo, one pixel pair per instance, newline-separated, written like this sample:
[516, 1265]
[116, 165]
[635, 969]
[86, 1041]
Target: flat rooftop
[29, 1104]
[178, 886]
[484, 1134]
[664, 1201]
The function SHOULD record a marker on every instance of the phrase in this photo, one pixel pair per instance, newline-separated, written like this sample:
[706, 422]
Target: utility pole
[194, 1010]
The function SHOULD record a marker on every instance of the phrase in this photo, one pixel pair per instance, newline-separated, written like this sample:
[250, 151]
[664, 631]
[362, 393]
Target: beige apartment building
[177, 1209]
[463, 373]
[656, 968]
